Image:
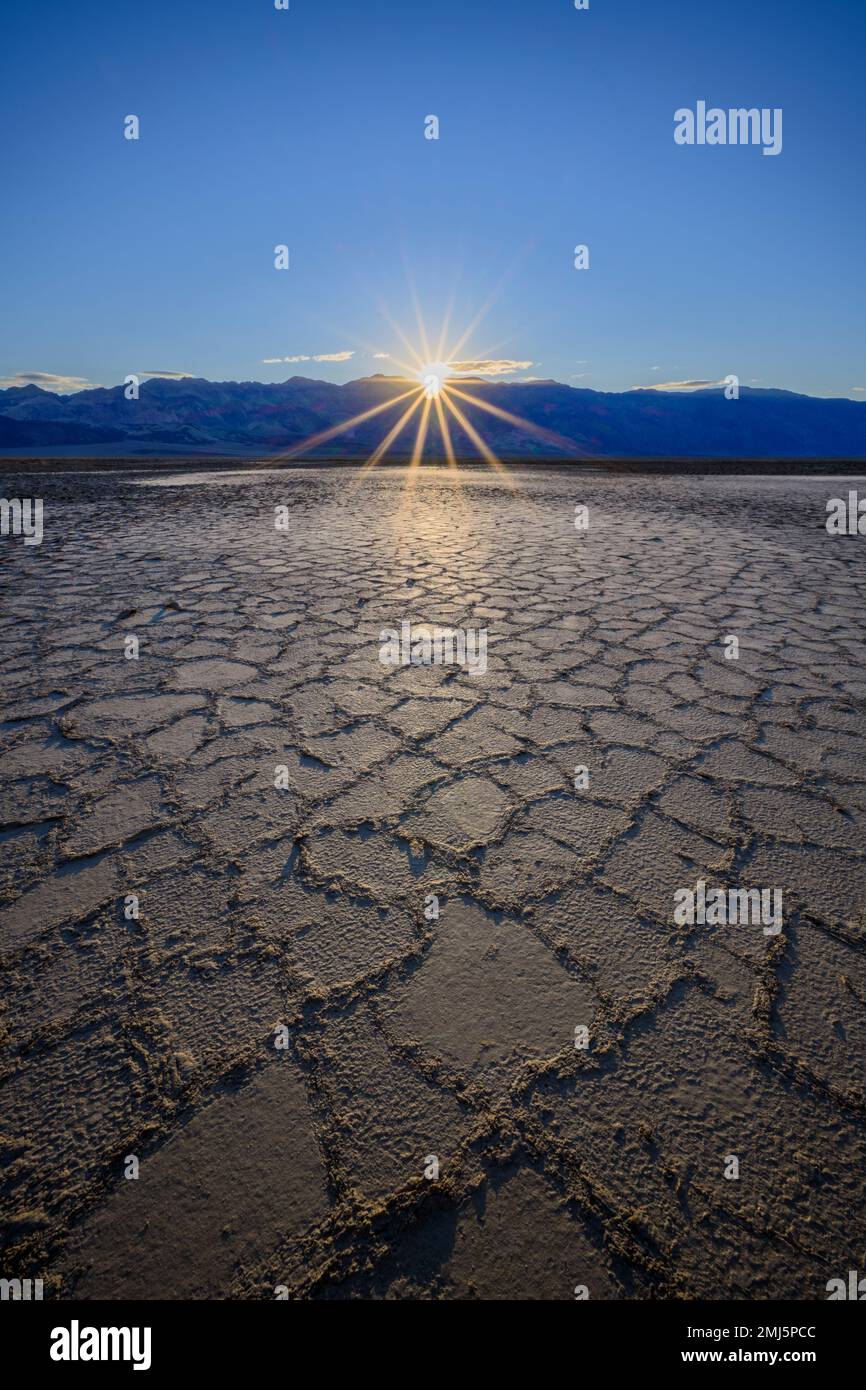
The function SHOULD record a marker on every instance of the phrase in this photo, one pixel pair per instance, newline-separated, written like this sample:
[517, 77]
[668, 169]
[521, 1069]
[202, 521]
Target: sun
[433, 404]
[433, 378]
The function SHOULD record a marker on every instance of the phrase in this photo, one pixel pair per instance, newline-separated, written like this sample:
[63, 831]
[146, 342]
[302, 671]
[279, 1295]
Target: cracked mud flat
[304, 906]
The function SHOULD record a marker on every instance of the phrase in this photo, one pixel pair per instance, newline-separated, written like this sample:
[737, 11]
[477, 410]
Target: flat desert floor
[223, 968]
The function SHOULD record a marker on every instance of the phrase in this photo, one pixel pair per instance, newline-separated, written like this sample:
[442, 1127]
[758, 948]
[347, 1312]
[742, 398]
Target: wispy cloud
[679, 385]
[381, 356]
[49, 381]
[172, 376]
[490, 367]
[312, 357]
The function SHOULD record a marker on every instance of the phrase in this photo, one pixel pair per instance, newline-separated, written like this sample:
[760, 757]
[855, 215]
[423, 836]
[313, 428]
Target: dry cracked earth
[297, 912]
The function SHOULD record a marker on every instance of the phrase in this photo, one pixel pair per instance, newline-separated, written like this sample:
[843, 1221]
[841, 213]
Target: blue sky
[306, 127]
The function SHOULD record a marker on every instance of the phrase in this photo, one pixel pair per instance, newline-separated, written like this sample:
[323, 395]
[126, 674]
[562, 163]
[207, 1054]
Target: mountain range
[192, 415]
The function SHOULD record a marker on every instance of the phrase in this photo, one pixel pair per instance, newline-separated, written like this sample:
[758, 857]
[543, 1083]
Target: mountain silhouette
[193, 415]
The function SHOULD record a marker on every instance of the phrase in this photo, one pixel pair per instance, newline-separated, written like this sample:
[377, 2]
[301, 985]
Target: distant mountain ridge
[260, 418]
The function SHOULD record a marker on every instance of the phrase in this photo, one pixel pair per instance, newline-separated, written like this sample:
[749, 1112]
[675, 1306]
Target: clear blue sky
[306, 127]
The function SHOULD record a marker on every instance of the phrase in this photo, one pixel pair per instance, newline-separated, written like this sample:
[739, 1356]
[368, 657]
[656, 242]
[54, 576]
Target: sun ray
[425, 345]
[485, 308]
[431, 386]
[492, 349]
[460, 498]
[419, 319]
[375, 350]
[403, 339]
[549, 436]
[421, 436]
[483, 448]
[417, 452]
[446, 323]
[411, 372]
[392, 434]
[324, 435]
[445, 431]
[454, 352]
